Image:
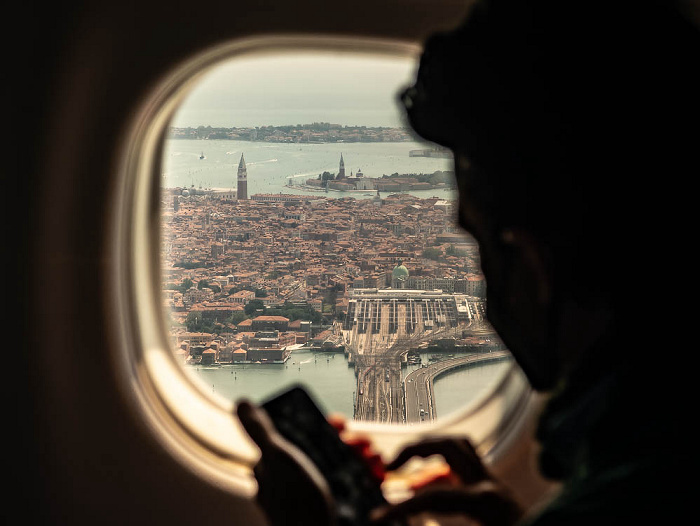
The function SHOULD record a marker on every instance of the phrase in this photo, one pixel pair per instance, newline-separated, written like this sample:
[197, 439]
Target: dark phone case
[298, 418]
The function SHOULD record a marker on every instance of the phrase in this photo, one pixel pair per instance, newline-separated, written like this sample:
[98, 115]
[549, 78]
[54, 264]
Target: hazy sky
[299, 89]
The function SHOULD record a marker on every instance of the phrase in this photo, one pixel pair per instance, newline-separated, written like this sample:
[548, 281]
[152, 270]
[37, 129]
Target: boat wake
[263, 162]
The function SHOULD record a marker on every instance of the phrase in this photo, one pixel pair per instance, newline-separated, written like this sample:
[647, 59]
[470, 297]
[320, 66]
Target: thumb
[257, 423]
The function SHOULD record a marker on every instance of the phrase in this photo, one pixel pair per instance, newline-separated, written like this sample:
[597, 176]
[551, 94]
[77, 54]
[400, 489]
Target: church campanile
[242, 189]
[341, 169]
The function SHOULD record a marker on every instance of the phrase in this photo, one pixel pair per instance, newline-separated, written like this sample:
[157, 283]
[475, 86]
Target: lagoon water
[332, 382]
[271, 166]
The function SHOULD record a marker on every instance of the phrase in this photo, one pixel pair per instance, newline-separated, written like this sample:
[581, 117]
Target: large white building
[409, 312]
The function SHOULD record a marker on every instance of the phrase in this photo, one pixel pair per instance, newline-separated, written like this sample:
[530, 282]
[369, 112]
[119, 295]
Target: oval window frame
[194, 427]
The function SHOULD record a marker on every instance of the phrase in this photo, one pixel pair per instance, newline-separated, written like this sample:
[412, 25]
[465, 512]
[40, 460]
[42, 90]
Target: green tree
[196, 323]
[185, 285]
[432, 253]
[252, 306]
[332, 298]
[236, 317]
[451, 250]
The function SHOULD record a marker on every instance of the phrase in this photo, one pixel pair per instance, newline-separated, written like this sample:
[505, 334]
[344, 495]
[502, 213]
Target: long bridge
[418, 385]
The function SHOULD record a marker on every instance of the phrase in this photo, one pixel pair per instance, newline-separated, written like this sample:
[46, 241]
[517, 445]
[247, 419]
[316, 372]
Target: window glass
[308, 236]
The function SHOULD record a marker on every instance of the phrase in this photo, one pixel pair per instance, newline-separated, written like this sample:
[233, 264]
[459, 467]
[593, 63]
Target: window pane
[309, 236]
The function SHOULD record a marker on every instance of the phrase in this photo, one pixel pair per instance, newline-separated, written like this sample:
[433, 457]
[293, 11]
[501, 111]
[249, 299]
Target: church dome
[399, 272]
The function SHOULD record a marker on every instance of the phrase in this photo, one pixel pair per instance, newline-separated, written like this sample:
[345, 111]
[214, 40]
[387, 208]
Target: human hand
[470, 491]
[291, 489]
[361, 444]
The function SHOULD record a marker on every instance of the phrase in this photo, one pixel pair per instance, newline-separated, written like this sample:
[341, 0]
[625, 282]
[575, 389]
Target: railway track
[380, 392]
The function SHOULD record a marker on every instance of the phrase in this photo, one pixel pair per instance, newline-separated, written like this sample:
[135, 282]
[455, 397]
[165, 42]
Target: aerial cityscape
[360, 269]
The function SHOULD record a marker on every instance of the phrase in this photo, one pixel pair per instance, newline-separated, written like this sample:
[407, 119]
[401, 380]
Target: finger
[458, 453]
[337, 421]
[441, 474]
[256, 423]
[359, 443]
[484, 505]
[376, 465]
[425, 448]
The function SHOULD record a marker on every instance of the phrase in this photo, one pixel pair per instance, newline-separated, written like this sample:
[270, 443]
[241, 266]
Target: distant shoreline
[316, 133]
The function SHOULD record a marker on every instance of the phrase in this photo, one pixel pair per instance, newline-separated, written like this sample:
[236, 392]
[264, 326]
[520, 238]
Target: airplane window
[308, 236]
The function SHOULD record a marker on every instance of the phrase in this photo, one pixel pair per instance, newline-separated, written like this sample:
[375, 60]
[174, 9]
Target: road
[420, 399]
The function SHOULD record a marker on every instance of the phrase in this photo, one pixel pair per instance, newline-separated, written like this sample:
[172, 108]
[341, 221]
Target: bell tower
[242, 188]
[341, 169]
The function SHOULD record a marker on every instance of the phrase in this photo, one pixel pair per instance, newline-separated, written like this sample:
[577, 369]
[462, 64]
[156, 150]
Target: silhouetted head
[557, 112]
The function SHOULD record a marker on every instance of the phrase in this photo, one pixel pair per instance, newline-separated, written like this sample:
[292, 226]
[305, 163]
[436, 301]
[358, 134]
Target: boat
[433, 152]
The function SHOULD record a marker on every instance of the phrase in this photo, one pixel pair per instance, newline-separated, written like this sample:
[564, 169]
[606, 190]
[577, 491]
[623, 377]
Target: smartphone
[355, 488]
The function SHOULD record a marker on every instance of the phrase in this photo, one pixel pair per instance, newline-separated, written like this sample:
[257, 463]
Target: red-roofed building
[262, 323]
[208, 357]
[245, 326]
[239, 355]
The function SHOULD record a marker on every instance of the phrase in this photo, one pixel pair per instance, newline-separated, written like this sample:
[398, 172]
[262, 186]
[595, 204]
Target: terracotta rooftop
[271, 318]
